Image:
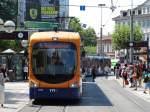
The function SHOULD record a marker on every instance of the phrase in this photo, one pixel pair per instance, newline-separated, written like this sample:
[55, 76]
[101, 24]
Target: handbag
[126, 82]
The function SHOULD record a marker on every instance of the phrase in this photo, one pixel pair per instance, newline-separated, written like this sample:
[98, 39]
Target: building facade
[106, 46]
[141, 17]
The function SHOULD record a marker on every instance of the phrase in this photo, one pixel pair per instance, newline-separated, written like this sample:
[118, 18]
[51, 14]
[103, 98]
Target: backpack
[146, 79]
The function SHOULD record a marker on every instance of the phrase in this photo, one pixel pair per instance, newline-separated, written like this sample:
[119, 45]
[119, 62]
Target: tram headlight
[74, 85]
[32, 84]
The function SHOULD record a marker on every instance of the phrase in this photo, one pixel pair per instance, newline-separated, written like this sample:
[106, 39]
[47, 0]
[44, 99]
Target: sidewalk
[16, 96]
[138, 92]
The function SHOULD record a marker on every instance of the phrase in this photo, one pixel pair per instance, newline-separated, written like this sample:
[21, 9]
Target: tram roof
[58, 34]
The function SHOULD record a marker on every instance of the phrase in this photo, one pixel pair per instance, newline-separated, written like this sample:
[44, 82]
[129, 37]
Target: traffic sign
[82, 7]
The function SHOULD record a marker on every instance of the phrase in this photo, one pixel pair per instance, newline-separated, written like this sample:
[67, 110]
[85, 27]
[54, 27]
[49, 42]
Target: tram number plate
[52, 90]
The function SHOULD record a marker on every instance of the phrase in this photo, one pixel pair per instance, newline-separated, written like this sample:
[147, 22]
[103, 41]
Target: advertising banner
[49, 9]
[42, 10]
[33, 10]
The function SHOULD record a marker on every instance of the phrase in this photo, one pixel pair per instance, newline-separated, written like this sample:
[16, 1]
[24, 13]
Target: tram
[54, 65]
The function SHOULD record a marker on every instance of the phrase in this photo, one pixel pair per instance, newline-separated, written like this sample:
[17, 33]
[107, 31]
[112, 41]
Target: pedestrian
[4, 70]
[93, 73]
[147, 84]
[130, 74]
[124, 75]
[2, 98]
[117, 70]
[135, 76]
[140, 67]
[83, 74]
[25, 72]
[106, 70]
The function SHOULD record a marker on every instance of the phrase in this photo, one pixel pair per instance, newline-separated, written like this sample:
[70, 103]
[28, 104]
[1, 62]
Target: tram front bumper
[54, 93]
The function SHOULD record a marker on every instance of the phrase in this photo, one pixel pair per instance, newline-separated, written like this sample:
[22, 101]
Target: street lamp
[101, 27]
[24, 43]
[131, 34]
[8, 26]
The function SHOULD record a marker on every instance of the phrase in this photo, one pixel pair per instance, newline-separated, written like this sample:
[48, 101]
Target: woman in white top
[2, 97]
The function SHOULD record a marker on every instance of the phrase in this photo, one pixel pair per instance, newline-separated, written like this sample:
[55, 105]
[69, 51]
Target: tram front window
[54, 62]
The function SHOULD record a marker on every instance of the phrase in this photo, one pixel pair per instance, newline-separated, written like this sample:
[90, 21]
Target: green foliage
[8, 10]
[75, 25]
[90, 49]
[88, 35]
[13, 44]
[122, 35]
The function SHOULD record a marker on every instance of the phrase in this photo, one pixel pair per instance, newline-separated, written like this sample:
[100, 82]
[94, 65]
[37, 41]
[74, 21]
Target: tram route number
[52, 90]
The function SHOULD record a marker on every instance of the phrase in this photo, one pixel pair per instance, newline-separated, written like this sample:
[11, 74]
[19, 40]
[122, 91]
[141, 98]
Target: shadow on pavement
[92, 96]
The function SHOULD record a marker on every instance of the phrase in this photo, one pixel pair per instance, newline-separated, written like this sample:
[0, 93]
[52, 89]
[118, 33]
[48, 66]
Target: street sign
[137, 44]
[17, 35]
[140, 44]
[140, 53]
[82, 7]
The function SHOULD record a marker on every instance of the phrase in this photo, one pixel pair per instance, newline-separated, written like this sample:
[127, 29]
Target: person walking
[93, 73]
[124, 75]
[147, 84]
[25, 70]
[117, 70]
[2, 98]
[130, 74]
[135, 76]
[140, 69]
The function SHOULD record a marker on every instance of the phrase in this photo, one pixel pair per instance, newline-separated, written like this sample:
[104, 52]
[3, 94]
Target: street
[101, 96]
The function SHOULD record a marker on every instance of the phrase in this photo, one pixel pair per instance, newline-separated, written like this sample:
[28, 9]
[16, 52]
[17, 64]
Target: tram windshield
[54, 60]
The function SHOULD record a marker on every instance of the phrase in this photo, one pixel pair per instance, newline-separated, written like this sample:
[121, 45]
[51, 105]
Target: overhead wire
[110, 15]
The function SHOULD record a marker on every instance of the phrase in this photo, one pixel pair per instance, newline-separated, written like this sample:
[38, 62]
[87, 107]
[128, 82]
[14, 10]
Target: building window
[139, 23]
[110, 48]
[144, 10]
[145, 37]
[148, 9]
[124, 13]
[143, 23]
[107, 47]
[136, 12]
[103, 48]
[133, 12]
[139, 12]
[146, 23]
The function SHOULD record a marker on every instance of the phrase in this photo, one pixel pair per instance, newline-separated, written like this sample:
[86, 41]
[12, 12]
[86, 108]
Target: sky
[92, 16]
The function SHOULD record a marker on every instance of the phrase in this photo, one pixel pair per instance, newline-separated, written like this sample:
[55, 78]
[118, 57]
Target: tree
[75, 25]
[8, 9]
[13, 44]
[88, 35]
[122, 35]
